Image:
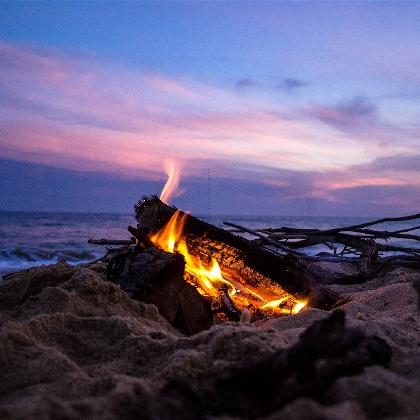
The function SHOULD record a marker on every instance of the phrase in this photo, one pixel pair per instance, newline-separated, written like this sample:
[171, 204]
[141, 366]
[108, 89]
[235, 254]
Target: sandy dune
[73, 345]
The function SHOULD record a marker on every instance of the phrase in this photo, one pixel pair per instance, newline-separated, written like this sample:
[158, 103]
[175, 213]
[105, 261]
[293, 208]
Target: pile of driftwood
[354, 243]
[272, 261]
[152, 275]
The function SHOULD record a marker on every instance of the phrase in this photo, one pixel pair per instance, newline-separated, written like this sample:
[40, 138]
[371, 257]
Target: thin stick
[407, 229]
[295, 233]
[386, 234]
[375, 222]
[265, 239]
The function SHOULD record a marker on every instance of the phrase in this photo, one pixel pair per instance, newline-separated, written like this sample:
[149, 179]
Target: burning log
[154, 276]
[254, 270]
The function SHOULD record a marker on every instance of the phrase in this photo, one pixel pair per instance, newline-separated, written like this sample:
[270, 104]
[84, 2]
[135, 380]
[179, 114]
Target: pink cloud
[74, 113]
[361, 182]
[167, 85]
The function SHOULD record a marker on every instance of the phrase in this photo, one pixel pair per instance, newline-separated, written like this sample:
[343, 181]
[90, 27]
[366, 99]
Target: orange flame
[210, 279]
[173, 171]
[170, 234]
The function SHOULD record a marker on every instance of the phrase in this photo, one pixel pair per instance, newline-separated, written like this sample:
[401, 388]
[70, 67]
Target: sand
[73, 345]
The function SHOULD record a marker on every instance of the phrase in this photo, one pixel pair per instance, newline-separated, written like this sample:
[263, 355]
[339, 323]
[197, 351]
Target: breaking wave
[18, 258]
[33, 239]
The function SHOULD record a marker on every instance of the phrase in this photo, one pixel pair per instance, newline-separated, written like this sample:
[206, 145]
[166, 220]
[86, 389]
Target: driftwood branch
[267, 240]
[375, 222]
[383, 234]
[410, 229]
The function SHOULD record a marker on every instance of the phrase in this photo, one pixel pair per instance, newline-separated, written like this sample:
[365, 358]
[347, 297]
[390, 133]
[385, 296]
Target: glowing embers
[210, 280]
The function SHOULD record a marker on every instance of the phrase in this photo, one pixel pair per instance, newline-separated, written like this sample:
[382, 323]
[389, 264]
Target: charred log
[253, 264]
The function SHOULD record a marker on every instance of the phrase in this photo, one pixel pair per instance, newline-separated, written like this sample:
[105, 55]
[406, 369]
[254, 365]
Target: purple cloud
[243, 85]
[357, 113]
[291, 84]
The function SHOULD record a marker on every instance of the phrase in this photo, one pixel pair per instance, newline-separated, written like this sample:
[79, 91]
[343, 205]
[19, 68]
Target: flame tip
[170, 189]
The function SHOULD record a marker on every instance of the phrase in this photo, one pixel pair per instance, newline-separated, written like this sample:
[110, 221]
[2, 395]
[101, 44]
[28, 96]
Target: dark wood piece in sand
[155, 276]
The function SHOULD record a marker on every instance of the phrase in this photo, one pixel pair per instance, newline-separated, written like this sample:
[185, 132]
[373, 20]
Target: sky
[270, 108]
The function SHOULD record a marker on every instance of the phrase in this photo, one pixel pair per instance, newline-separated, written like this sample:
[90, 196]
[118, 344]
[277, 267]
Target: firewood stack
[239, 256]
[152, 275]
[148, 273]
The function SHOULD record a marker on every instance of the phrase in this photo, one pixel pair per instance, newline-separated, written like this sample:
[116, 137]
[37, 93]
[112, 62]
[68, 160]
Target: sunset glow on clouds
[78, 111]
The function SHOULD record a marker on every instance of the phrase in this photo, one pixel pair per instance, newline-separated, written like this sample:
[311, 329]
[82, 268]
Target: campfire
[198, 274]
[215, 284]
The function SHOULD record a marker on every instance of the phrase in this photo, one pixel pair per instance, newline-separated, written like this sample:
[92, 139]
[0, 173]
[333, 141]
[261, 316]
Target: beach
[74, 345]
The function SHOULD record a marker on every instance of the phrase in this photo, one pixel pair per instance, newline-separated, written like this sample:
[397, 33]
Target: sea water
[30, 239]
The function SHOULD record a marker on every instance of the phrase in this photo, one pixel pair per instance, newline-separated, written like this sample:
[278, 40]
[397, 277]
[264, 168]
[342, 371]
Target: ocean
[29, 239]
